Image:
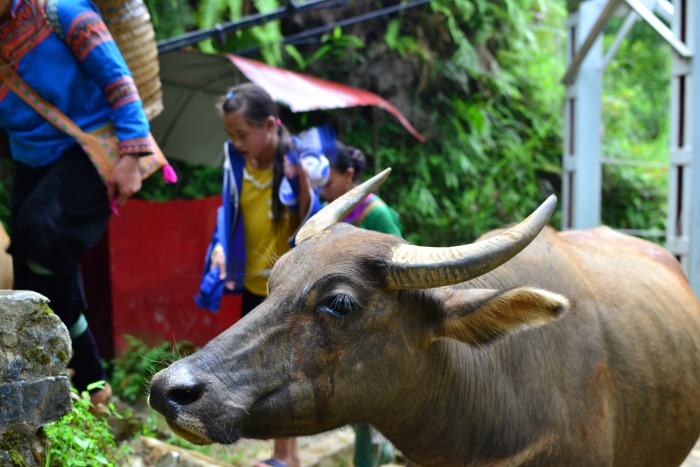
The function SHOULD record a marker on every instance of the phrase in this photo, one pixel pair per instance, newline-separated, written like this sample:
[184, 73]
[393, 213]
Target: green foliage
[404, 45]
[455, 14]
[267, 36]
[194, 182]
[336, 46]
[170, 17]
[492, 110]
[133, 369]
[81, 439]
[212, 12]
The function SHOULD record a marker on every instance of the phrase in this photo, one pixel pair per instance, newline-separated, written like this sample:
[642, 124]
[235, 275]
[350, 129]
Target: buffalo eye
[339, 305]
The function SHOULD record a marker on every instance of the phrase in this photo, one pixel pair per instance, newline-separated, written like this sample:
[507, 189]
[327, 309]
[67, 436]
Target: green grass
[80, 439]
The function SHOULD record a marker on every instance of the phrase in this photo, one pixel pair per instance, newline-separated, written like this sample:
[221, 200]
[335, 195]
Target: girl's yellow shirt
[264, 242]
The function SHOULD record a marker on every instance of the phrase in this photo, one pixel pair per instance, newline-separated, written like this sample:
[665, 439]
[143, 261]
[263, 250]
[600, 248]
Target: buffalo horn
[418, 267]
[341, 207]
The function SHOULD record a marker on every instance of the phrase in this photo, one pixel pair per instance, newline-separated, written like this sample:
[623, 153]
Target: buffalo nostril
[174, 389]
[185, 395]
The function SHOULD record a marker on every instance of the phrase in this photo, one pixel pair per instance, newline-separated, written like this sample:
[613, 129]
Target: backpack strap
[365, 212]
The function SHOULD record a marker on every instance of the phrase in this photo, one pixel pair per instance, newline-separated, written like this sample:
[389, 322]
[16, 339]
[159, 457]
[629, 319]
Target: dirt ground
[693, 460]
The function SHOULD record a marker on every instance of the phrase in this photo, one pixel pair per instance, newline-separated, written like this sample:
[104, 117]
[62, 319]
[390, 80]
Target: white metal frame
[683, 221]
[581, 184]
[581, 174]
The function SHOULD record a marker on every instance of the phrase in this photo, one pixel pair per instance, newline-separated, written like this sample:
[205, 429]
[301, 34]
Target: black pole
[294, 38]
[220, 30]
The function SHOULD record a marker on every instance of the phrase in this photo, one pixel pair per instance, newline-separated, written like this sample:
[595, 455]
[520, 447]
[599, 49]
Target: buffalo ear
[479, 317]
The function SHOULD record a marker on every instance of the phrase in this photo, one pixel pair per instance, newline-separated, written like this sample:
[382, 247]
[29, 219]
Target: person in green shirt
[372, 213]
[371, 448]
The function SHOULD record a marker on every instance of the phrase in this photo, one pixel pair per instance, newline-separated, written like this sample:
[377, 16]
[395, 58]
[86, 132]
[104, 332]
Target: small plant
[81, 439]
[133, 369]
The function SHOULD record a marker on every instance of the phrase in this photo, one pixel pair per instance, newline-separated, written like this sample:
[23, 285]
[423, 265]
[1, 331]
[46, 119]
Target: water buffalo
[583, 349]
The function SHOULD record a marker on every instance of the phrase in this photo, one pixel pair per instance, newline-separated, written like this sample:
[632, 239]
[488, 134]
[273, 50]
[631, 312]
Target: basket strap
[43, 108]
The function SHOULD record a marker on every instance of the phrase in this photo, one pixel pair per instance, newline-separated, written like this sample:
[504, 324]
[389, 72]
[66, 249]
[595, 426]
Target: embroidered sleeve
[87, 31]
[91, 42]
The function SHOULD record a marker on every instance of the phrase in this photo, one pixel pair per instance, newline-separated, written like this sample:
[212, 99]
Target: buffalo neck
[495, 412]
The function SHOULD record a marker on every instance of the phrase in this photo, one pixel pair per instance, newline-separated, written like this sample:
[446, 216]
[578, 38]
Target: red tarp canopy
[302, 93]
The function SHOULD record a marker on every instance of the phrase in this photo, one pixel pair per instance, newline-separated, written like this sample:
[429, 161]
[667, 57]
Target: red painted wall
[142, 276]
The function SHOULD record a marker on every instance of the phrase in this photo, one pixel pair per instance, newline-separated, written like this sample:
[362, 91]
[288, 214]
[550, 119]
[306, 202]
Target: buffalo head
[354, 322]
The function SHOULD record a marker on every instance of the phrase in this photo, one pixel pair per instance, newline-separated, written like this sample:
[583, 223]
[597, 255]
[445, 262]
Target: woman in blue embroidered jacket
[258, 219]
[60, 206]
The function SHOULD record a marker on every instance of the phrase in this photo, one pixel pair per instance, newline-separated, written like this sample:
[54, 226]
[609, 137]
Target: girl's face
[251, 140]
[338, 184]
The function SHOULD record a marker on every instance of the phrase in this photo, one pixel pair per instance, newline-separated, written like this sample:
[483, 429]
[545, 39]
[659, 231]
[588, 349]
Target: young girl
[372, 214]
[255, 225]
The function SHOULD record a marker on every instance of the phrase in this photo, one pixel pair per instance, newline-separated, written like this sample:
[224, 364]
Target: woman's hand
[125, 179]
[218, 260]
[290, 169]
[304, 189]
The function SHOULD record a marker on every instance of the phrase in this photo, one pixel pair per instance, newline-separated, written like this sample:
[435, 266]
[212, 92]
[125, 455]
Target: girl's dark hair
[346, 157]
[256, 106]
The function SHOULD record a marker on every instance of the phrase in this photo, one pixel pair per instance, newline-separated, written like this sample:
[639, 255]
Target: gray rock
[35, 389]
[34, 343]
[27, 405]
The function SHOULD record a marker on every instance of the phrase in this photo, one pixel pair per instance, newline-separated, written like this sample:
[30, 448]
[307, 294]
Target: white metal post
[678, 215]
[581, 184]
[683, 221]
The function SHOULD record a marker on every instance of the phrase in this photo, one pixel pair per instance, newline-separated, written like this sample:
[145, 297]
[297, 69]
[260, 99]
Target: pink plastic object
[113, 206]
[169, 174]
